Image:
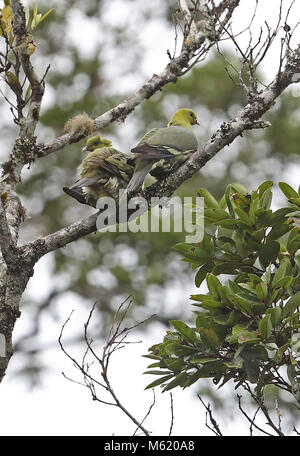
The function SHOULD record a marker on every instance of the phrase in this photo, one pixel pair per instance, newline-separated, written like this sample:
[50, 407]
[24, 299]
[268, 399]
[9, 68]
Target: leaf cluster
[246, 326]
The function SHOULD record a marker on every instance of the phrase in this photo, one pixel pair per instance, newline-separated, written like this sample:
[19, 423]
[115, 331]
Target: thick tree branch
[33, 251]
[14, 271]
[192, 28]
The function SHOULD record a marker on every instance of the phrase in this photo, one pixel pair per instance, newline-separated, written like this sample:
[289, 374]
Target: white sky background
[58, 407]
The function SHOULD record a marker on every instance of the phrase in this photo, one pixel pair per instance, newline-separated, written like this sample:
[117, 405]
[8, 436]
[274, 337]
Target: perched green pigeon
[104, 171]
[162, 150]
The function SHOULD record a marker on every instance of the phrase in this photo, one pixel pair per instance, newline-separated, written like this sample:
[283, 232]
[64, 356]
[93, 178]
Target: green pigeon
[103, 172]
[162, 150]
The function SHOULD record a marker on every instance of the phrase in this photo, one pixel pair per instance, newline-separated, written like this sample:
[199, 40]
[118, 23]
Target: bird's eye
[191, 114]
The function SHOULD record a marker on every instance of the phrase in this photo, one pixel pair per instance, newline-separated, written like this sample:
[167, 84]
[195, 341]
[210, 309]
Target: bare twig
[172, 414]
[114, 342]
[264, 409]
[215, 427]
[148, 412]
[251, 420]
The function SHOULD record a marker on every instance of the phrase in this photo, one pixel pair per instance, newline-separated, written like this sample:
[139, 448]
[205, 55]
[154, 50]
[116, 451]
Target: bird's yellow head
[184, 118]
[96, 142]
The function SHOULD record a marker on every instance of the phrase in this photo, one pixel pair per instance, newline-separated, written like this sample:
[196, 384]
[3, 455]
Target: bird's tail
[141, 170]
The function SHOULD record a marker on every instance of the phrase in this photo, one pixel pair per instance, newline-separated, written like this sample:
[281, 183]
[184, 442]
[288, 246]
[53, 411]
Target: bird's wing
[176, 137]
[117, 165]
[84, 182]
[165, 143]
[149, 152]
[147, 136]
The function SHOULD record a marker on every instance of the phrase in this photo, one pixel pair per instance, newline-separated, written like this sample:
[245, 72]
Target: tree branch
[5, 235]
[37, 85]
[100, 380]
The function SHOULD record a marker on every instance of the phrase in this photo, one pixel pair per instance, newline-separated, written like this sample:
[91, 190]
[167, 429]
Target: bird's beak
[84, 149]
[196, 122]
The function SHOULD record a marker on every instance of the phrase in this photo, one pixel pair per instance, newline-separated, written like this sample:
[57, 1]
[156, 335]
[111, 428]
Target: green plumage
[162, 150]
[103, 172]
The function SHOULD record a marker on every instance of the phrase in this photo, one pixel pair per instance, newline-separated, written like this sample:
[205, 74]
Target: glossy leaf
[269, 253]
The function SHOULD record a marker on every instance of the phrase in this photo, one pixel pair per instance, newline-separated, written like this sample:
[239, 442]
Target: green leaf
[211, 304]
[228, 243]
[243, 216]
[46, 14]
[209, 338]
[251, 366]
[202, 273]
[228, 201]
[244, 336]
[175, 365]
[280, 352]
[279, 274]
[279, 216]
[28, 93]
[159, 381]
[252, 211]
[216, 214]
[266, 199]
[269, 253]
[156, 372]
[192, 252]
[226, 378]
[242, 304]
[265, 326]
[228, 267]
[293, 376]
[27, 16]
[202, 320]
[271, 395]
[177, 349]
[187, 332]
[209, 200]
[261, 290]
[293, 242]
[275, 315]
[14, 82]
[284, 282]
[193, 378]
[238, 188]
[291, 305]
[236, 363]
[201, 297]
[240, 327]
[277, 231]
[201, 360]
[179, 380]
[288, 190]
[214, 285]
[227, 223]
[265, 186]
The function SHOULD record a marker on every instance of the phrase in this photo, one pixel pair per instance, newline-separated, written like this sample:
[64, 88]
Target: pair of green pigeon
[105, 170]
